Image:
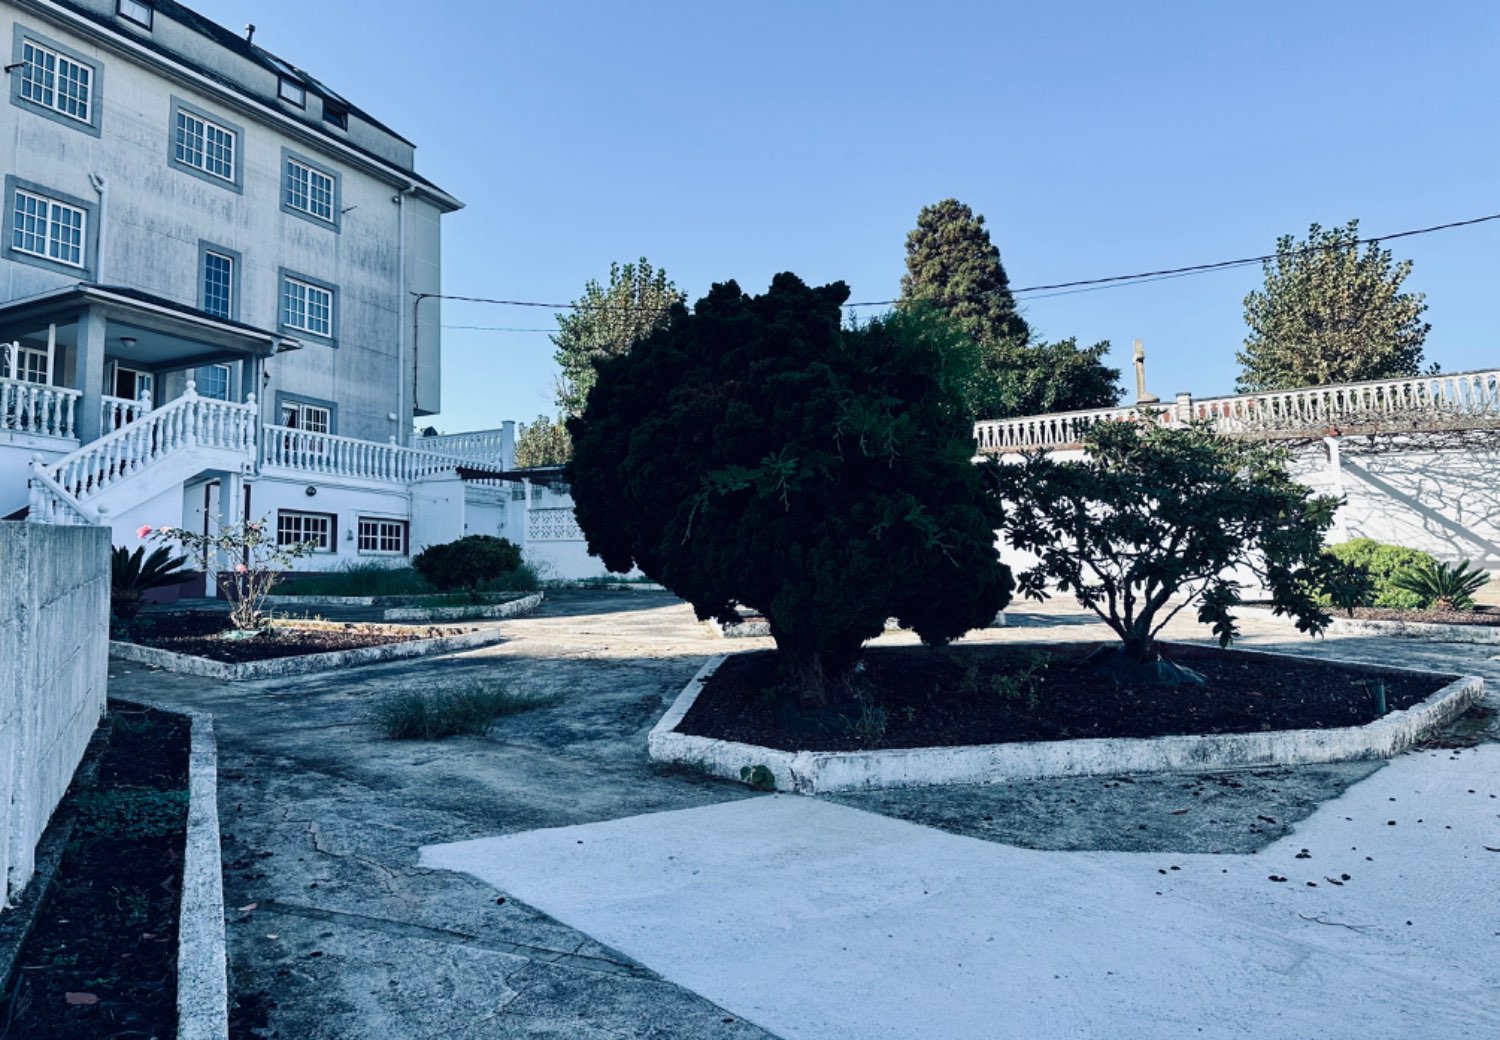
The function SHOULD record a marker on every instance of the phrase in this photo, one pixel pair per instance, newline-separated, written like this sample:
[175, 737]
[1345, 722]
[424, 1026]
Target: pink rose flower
[240, 568]
[143, 531]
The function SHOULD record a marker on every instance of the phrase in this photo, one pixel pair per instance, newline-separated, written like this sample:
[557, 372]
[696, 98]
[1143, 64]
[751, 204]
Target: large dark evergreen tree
[954, 268]
[756, 452]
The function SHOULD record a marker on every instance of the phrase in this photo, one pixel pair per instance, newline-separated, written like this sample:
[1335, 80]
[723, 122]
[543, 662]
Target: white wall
[54, 654]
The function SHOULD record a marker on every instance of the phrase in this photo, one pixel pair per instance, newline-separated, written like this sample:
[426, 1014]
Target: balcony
[38, 410]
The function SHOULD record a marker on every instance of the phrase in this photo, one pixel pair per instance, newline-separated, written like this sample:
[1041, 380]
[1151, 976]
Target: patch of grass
[360, 578]
[463, 710]
[132, 812]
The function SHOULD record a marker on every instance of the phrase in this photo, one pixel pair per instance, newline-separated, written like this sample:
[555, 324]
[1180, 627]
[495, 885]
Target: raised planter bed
[1426, 703]
[250, 660]
[1482, 627]
[753, 626]
[471, 612]
[608, 586]
[137, 895]
[423, 601]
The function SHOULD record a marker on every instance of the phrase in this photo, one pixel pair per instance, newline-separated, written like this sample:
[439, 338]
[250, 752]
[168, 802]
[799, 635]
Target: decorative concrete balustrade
[60, 490]
[482, 445]
[1435, 402]
[323, 453]
[45, 411]
[115, 412]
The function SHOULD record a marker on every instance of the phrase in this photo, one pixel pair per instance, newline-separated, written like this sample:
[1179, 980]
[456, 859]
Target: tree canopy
[953, 268]
[1331, 314]
[543, 442]
[607, 320]
[1156, 519]
[755, 451]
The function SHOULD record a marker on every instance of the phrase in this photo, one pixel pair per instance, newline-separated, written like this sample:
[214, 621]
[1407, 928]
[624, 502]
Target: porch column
[86, 373]
[231, 509]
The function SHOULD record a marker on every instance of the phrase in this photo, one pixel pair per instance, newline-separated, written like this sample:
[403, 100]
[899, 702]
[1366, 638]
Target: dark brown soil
[102, 958]
[202, 635]
[1487, 616]
[960, 695]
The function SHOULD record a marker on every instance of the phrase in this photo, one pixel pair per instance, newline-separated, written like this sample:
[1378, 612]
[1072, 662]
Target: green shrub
[1442, 586]
[1382, 563]
[132, 574]
[469, 709]
[468, 563]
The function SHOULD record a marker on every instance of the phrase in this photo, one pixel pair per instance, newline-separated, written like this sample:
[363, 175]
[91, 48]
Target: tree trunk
[820, 678]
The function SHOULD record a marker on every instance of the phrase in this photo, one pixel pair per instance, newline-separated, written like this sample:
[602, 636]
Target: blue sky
[735, 141]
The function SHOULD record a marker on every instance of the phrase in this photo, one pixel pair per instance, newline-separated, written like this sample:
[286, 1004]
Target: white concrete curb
[202, 959]
[761, 627]
[477, 612]
[392, 602]
[304, 664]
[1488, 635]
[818, 772]
[608, 586]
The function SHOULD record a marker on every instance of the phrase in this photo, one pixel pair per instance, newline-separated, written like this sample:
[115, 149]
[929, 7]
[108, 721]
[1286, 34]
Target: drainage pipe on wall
[101, 188]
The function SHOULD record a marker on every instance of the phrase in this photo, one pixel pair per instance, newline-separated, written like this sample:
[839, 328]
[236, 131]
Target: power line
[1052, 288]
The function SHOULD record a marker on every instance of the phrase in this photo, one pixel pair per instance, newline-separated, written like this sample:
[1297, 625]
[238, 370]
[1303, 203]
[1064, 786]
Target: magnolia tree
[1156, 520]
[256, 567]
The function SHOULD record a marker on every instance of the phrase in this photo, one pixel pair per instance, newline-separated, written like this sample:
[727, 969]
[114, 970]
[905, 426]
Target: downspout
[101, 188]
[403, 415]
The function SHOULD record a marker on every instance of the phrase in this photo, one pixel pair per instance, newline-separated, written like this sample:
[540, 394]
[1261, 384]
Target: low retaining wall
[476, 612]
[54, 664]
[817, 772]
[304, 664]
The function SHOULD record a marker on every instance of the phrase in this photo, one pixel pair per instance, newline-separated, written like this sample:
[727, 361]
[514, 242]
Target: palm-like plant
[132, 574]
[1443, 586]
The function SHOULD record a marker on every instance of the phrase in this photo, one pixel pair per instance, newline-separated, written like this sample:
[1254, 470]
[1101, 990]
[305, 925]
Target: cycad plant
[1443, 586]
[133, 573]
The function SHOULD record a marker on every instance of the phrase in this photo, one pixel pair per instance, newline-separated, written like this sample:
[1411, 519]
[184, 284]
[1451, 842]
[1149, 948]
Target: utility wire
[1052, 289]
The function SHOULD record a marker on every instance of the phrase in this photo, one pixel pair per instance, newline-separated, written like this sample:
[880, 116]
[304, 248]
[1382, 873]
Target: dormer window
[137, 11]
[292, 92]
[335, 114]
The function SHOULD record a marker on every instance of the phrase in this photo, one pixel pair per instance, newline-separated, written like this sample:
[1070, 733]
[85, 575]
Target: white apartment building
[218, 285]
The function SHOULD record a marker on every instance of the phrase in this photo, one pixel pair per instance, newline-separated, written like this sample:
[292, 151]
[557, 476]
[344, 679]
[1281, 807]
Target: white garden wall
[54, 664]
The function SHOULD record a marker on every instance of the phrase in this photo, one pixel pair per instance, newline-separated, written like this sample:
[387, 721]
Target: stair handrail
[48, 497]
[185, 422]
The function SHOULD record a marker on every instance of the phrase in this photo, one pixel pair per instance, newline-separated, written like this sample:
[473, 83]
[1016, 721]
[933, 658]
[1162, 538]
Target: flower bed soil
[101, 960]
[1488, 617]
[201, 635]
[945, 698]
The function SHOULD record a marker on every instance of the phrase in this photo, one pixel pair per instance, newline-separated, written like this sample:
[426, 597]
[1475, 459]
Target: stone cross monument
[1141, 397]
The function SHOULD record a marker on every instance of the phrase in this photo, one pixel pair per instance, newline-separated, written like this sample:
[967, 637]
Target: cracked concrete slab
[322, 820]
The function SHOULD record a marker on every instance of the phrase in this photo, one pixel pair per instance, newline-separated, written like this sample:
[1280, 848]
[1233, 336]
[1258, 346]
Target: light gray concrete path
[351, 937]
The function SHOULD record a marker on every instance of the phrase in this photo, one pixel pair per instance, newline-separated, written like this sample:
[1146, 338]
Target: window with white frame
[297, 528]
[313, 418]
[517, 491]
[30, 365]
[47, 228]
[306, 307]
[213, 381]
[218, 284]
[204, 145]
[379, 537]
[309, 190]
[136, 11]
[56, 81]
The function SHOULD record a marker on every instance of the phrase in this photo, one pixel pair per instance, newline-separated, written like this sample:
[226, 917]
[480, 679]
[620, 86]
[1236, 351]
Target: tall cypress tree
[953, 267]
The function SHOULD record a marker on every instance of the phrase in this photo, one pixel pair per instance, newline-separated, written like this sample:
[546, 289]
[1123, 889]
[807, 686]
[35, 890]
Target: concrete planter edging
[608, 586]
[817, 772]
[1487, 635]
[391, 602]
[305, 664]
[755, 628]
[202, 958]
[477, 612]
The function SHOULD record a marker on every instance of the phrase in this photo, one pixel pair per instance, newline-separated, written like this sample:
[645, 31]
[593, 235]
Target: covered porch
[81, 361]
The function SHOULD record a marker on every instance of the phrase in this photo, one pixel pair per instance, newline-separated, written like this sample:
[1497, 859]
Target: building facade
[219, 296]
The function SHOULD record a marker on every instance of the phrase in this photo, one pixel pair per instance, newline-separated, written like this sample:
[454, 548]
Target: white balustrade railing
[483, 445]
[115, 412]
[36, 408]
[330, 455]
[1413, 403]
[189, 421]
